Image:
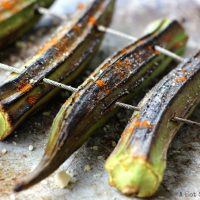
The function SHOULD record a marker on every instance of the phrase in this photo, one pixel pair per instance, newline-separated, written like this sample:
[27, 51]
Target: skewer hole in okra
[62, 59]
[119, 77]
[17, 17]
[138, 162]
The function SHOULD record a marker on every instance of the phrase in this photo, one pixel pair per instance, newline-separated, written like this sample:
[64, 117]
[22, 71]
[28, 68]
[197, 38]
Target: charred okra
[17, 17]
[138, 162]
[61, 59]
[131, 69]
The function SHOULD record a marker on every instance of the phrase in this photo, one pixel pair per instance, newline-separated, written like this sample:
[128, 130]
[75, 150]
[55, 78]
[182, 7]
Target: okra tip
[38, 174]
[132, 176]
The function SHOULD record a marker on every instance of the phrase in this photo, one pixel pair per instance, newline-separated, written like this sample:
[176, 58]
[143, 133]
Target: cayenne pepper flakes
[24, 87]
[80, 6]
[119, 63]
[31, 100]
[123, 51]
[138, 123]
[100, 83]
[92, 21]
[8, 5]
[180, 79]
[183, 78]
[143, 124]
[146, 124]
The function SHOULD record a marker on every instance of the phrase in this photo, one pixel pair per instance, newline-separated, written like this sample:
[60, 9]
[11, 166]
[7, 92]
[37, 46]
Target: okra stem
[137, 165]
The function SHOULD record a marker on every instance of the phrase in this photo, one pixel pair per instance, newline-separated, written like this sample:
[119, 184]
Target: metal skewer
[45, 11]
[114, 32]
[186, 121]
[62, 86]
[127, 106]
[119, 104]
[9, 68]
[158, 48]
[59, 85]
[72, 89]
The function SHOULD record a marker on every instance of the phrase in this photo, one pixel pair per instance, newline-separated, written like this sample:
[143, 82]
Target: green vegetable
[138, 162]
[123, 74]
[61, 59]
[17, 17]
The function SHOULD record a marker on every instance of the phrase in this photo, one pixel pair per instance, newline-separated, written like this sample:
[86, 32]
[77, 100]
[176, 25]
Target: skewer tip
[18, 187]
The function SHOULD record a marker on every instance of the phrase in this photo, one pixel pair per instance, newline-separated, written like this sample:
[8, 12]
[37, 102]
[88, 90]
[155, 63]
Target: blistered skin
[62, 58]
[17, 17]
[125, 73]
[140, 156]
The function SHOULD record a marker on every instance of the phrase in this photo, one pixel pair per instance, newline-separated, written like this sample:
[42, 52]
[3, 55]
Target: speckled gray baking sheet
[182, 177]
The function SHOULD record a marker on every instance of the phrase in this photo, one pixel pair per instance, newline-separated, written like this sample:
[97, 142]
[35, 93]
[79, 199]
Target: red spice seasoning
[92, 21]
[123, 51]
[8, 4]
[180, 79]
[80, 6]
[100, 83]
[143, 124]
[31, 100]
[24, 87]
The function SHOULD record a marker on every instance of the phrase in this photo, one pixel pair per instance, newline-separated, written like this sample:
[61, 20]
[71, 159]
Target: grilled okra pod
[17, 17]
[61, 59]
[126, 72]
[138, 162]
